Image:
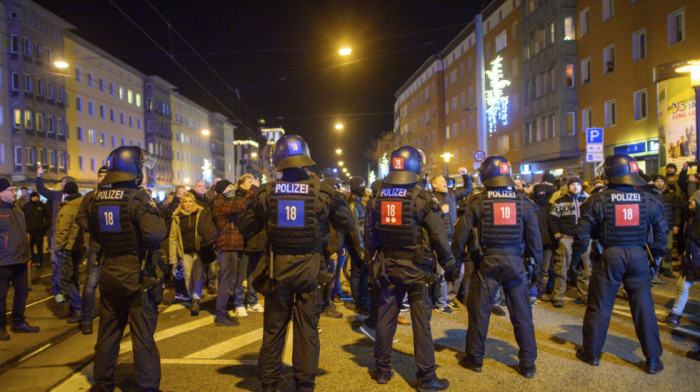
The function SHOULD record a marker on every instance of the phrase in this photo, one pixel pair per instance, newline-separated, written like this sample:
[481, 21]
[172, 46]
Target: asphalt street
[198, 356]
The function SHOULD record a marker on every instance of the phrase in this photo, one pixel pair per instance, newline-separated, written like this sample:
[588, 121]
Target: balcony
[552, 148]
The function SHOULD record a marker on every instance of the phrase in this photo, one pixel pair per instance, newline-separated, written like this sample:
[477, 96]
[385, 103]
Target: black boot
[654, 365]
[194, 311]
[433, 384]
[589, 359]
[672, 320]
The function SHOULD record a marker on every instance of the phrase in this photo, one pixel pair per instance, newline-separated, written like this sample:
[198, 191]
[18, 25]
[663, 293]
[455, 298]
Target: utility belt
[418, 256]
[501, 250]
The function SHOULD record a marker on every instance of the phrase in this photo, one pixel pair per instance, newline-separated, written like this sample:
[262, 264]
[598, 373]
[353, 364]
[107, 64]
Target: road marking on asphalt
[80, 381]
[170, 332]
[227, 346]
[173, 308]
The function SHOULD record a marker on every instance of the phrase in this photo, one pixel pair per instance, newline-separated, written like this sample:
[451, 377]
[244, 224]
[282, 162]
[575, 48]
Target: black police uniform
[506, 219]
[297, 211]
[620, 217]
[403, 226]
[126, 223]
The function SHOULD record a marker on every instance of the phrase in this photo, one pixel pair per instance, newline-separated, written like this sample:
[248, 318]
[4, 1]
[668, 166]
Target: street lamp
[61, 64]
[205, 132]
[338, 151]
[693, 67]
[345, 51]
[446, 156]
[345, 170]
[339, 126]
[341, 163]
[254, 155]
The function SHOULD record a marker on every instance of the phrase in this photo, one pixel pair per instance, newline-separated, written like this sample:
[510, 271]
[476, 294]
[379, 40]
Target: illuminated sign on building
[207, 171]
[496, 102]
[383, 166]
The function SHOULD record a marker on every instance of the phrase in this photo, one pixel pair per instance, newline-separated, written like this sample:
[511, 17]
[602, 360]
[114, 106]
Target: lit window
[130, 96]
[569, 29]
[569, 75]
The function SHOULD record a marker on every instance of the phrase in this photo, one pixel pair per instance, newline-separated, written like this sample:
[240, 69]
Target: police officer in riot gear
[619, 218]
[403, 235]
[506, 220]
[127, 225]
[296, 211]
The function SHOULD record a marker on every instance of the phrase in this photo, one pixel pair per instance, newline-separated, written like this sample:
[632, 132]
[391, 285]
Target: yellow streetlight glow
[345, 170]
[339, 126]
[254, 155]
[205, 132]
[446, 156]
[341, 163]
[693, 67]
[338, 151]
[345, 51]
[187, 180]
[60, 64]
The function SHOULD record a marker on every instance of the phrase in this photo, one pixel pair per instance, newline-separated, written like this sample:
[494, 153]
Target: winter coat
[205, 230]
[565, 213]
[226, 214]
[14, 244]
[540, 196]
[37, 216]
[68, 234]
[672, 206]
[354, 238]
[690, 262]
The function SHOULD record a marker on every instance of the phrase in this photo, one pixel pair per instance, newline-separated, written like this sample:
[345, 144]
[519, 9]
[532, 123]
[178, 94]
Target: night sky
[281, 57]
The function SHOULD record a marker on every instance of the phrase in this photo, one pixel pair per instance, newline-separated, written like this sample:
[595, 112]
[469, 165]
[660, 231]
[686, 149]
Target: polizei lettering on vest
[393, 192]
[292, 188]
[110, 194]
[501, 195]
[626, 197]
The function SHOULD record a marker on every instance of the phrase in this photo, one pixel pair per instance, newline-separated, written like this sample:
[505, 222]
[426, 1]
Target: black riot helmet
[126, 163]
[494, 172]
[620, 169]
[291, 151]
[405, 165]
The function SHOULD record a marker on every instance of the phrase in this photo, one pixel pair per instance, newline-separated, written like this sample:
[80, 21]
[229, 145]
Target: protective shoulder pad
[331, 191]
[145, 200]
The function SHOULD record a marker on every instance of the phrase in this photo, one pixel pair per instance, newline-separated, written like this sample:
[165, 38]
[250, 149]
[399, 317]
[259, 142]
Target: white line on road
[227, 346]
[170, 332]
[34, 303]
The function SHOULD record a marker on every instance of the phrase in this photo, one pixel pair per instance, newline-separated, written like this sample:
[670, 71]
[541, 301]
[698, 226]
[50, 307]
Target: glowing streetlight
[338, 151]
[446, 156]
[339, 126]
[341, 163]
[345, 51]
[205, 132]
[61, 64]
[254, 155]
[187, 180]
[345, 170]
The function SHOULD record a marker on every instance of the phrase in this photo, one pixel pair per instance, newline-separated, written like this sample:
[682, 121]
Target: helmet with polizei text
[405, 165]
[291, 151]
[126, 163]
[495, 172]
[620, 169]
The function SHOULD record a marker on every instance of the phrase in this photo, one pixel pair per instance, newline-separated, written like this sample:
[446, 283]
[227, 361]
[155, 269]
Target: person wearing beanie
[359, 274]
[448, 200]
[226, 211]
[54, 198]
[672, 203]
[540, 195]
[68, 245]
[565, 212]
[94, 269]
[13, 261]
[38, 219]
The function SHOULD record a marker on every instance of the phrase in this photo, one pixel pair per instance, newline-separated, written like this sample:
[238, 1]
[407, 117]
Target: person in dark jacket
[38, 219]
[68, 244]
[252, 251]
[359, 274]
[54, 198]
[207, 254]
[672, 203]
[690, 263]
[13, 261]
[563, 217]
[540, 195]
[448, 199]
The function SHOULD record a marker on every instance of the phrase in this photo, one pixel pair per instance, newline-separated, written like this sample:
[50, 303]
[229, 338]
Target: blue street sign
[594, 135]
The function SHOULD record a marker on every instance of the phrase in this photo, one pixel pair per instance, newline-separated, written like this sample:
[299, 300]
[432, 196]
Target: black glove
[576, 264]
[453, 275]
[534, 274]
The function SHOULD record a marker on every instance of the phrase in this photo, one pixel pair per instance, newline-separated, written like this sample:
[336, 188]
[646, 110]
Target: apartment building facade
[35, 130]
[104, 108]
[159, 135]
[191, 143]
